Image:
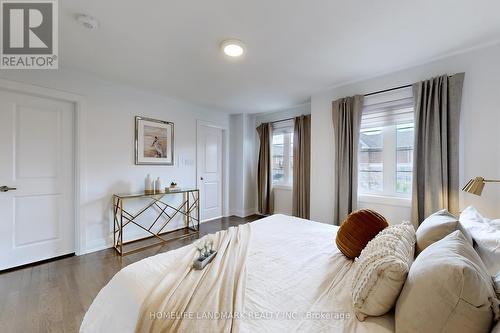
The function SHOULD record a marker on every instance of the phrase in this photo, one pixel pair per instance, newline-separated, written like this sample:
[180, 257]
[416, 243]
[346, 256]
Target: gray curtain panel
[346, 125]
[264, 174]
[435, 157]
[301, 166]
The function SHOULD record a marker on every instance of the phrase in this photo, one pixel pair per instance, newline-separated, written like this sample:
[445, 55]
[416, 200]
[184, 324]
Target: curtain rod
[391, 89]
[279, 121]
[387, 90]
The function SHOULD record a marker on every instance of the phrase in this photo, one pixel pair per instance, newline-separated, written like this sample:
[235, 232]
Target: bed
[296, 280]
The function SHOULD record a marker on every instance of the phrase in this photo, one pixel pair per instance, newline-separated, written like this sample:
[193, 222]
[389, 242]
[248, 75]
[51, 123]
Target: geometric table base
[190, 208]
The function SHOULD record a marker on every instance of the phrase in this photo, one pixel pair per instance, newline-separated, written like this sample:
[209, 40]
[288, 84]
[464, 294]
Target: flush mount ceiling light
[87, 21]
[233, 48]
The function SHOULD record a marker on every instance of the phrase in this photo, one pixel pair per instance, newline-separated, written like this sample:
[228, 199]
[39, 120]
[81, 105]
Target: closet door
[36, 179]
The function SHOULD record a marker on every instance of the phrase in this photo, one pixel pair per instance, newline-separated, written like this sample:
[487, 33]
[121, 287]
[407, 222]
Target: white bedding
[486, 235]
[297, 280]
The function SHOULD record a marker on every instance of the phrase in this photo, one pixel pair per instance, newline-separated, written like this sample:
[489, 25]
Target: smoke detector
[87, 21]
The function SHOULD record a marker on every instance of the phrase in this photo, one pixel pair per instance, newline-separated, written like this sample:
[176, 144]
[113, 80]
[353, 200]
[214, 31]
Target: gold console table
[190, 208]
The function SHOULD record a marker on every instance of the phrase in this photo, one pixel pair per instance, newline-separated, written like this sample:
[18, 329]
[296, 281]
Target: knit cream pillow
[381, 269]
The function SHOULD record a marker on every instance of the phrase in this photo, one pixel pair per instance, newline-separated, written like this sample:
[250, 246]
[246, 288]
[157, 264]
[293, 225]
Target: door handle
[201, 178]
[7, 189]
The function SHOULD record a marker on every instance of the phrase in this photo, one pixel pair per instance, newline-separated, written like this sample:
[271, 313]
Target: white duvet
[486, 235]
[297, 281]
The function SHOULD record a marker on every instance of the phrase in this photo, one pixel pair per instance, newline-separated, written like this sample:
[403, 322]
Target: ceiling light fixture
[87, 21]
[233, 48]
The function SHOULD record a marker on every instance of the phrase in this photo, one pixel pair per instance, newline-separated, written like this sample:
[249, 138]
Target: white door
[209, 165]
[36, 158]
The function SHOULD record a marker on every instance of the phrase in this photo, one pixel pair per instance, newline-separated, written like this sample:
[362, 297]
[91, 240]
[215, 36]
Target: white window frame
[388, 195]
[389, 159]
[285, 127]
[389, 172]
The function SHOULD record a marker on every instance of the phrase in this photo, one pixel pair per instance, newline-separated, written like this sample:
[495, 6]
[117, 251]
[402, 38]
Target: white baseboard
[244, 213]
[211, 219]
[98, 245]
[107, 242]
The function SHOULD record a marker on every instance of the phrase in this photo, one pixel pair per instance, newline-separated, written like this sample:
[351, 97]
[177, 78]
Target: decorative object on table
[148, 186]
[158, 188]
[154, 142]
[173, 188]
[207, 253]
[476, 185]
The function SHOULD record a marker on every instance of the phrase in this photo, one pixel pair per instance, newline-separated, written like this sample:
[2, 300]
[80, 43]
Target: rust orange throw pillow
[357, 230]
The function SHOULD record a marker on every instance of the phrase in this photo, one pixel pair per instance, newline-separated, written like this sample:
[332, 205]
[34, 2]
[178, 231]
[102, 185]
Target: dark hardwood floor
[54, 296]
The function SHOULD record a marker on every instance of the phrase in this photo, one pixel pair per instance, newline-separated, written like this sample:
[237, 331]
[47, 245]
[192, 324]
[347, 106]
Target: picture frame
[154, 141]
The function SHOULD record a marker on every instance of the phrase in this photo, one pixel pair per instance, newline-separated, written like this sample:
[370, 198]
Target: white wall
[108, 135]
[298, 110]
[250, 155]
[243, 173]
[395, 210]
[236, 172]
[480, 141]
[282, 200]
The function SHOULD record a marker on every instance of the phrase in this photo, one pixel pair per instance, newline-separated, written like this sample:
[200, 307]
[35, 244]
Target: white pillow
[496, 281]
[496, 329]
[436, 227]
[448, 290]
[380, 270]
[486, 235]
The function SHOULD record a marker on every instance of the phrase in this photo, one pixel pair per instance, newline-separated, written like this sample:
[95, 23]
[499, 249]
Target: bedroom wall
[243, 173]
[480, 139]
[109, 110]
[282, 114]
[236, 156]
[250, 155]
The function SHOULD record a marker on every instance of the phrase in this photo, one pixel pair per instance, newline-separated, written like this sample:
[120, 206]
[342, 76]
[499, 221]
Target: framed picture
[154, 142]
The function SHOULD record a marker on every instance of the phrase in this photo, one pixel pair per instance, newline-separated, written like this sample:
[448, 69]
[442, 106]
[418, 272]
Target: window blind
[392, 108]
[283, 127]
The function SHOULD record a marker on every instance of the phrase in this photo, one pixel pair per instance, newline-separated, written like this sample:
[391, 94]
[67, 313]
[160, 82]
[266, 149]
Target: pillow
[448, 289]
[496, 279]
[357, 230]
[496, 329]
[436, 227]
[486, 235]
[381, 269]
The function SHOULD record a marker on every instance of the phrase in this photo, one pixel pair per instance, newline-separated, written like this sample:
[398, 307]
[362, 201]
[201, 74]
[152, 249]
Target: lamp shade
[474, 186]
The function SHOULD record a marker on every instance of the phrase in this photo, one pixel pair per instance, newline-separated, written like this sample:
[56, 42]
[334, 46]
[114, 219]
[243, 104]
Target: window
[282, 153]
[371, 164]
[404, 157]
[385, 162]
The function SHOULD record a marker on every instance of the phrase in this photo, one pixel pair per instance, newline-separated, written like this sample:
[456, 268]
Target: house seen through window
[282, 153]
[385, 161]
